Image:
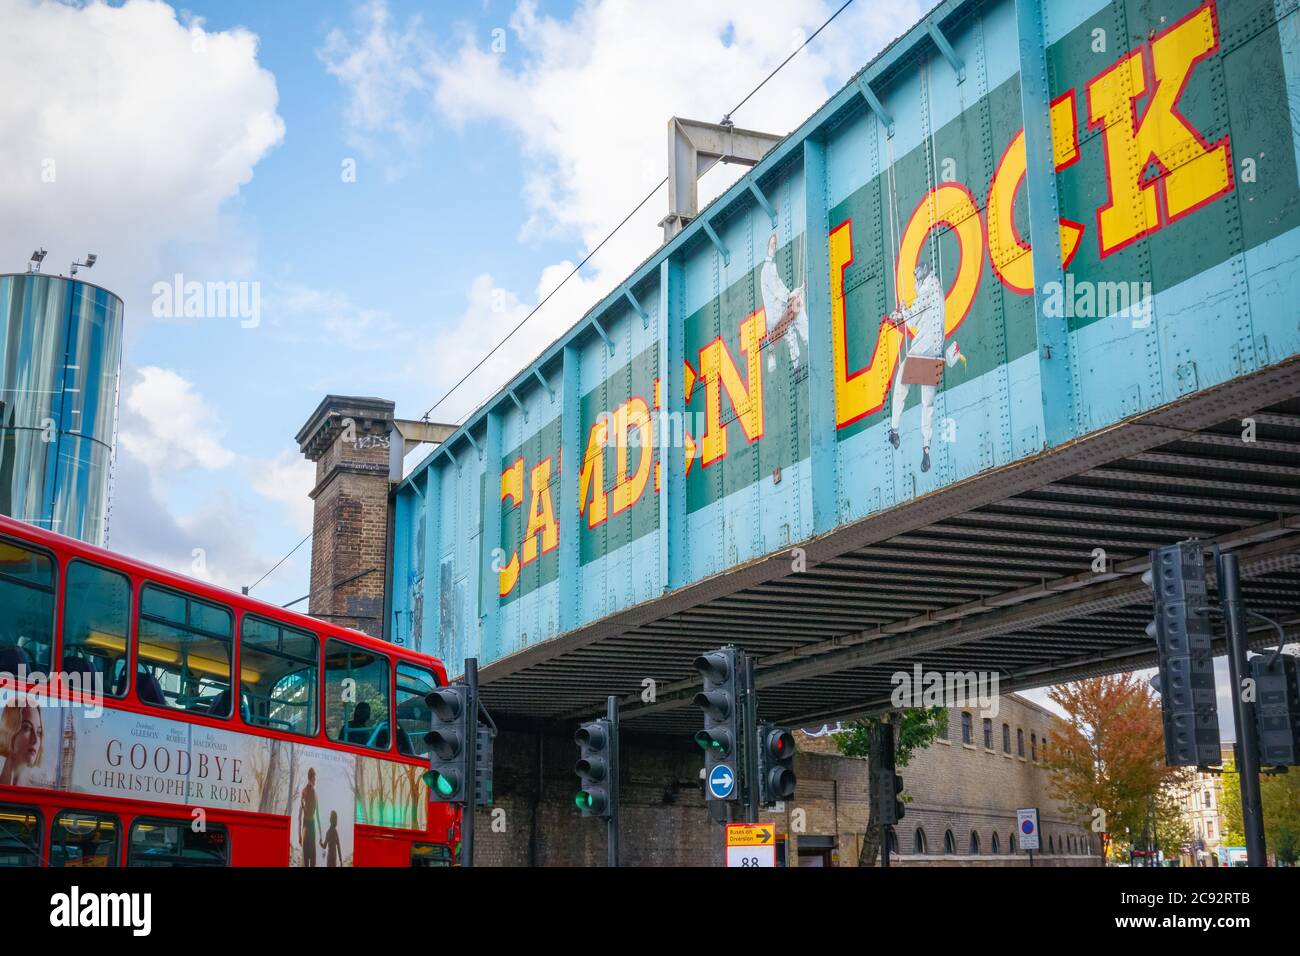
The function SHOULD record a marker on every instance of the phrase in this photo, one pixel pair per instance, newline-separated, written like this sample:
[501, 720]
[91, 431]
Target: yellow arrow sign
[751, 834]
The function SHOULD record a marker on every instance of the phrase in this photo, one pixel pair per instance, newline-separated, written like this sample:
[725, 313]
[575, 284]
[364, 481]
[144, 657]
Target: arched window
[1020, 742]
[1011, 843]
[967, 734]
[1033, 747]
[949, 844]
[994, 847]
[988, 734]
[974, 843]
[1006, 738]
[918, 841]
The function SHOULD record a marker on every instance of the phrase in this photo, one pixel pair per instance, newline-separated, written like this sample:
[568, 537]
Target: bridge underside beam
[1031, 571]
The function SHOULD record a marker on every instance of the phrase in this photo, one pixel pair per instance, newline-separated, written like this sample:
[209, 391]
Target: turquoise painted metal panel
[1032, 222]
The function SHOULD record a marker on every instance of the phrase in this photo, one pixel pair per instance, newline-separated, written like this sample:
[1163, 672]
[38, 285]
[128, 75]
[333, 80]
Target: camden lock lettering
[1133, 104]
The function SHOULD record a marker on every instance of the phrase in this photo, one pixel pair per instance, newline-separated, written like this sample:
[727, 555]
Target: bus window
[26, 609]
[360, 717]
[430, 854]
[82, 838]
[277, 672]
[174, 843]
[96, 613]
[20, 836]
[413, 717]
[184, 655]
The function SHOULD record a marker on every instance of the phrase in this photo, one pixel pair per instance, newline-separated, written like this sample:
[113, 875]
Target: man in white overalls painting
[925, 357]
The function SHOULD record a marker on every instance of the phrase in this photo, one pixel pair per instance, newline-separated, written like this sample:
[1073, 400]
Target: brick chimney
[349, 438]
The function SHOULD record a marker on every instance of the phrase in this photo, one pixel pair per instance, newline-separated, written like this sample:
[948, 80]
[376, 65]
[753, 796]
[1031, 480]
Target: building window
[1209, 803]
[1209, 829]
[967, 734]
[1006, 738]
[918, 841]
[1033, 747]
[974, 843]
[278, 668]
[82, 838]
[1020, 742]
[949, 844]
[26, 609]
[96, 619]
[994, 846]
[1011, 843]
[988, 734]
[185, 652]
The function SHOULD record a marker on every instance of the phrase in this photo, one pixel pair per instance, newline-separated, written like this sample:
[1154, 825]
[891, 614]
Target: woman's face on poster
[26, 746]
[771, 246]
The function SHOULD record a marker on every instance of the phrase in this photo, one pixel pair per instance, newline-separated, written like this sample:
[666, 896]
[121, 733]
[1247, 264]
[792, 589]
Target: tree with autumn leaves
[1107, 762]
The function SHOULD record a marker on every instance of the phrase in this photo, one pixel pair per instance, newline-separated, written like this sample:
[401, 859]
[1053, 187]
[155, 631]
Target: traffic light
[776, 778]
[594, 741]
[1184, 638]
[887, 787]
[1277, 708]
[721, 735]
[448, 774]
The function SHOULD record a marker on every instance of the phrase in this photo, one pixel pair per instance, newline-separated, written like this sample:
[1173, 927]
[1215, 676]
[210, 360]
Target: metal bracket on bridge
[957, 63]
[470, 438]
[518, 404]
[550, 392]
[877, 107]
[637, 307]
[763, 201]
[713, 237]
[600, 330]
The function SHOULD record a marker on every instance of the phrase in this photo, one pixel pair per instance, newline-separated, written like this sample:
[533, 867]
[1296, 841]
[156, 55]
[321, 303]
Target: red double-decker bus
[149, 719]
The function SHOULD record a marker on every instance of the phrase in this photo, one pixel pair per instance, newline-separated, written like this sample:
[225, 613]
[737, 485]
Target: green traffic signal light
[715, 739]
[439, 783]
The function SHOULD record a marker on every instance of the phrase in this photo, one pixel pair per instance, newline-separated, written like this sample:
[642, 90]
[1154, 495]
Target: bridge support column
[821, 368]
[1056, 384]
[572, 451]
[489, 648]
[674, 425]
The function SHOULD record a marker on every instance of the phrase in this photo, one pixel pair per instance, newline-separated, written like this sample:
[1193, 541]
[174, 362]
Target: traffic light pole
[471, 764]
[887, 746]
[1243, 711]
[611, 711]
[749, 751]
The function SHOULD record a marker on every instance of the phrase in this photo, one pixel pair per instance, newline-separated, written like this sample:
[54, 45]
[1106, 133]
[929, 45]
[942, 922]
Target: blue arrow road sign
[721, 782]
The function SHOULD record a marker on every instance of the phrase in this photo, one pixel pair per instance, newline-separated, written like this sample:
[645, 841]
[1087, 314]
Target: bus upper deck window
[26, 608]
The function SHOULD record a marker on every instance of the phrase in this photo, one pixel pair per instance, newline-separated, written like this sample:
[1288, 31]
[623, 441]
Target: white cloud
[286, 480]
[171, 439]
[170, 427]
[588, 99]
[333, 318]
[126, 134]
[387, 77]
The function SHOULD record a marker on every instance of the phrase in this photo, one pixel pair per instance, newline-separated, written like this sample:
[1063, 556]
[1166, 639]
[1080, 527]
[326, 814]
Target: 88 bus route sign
[751, 845]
